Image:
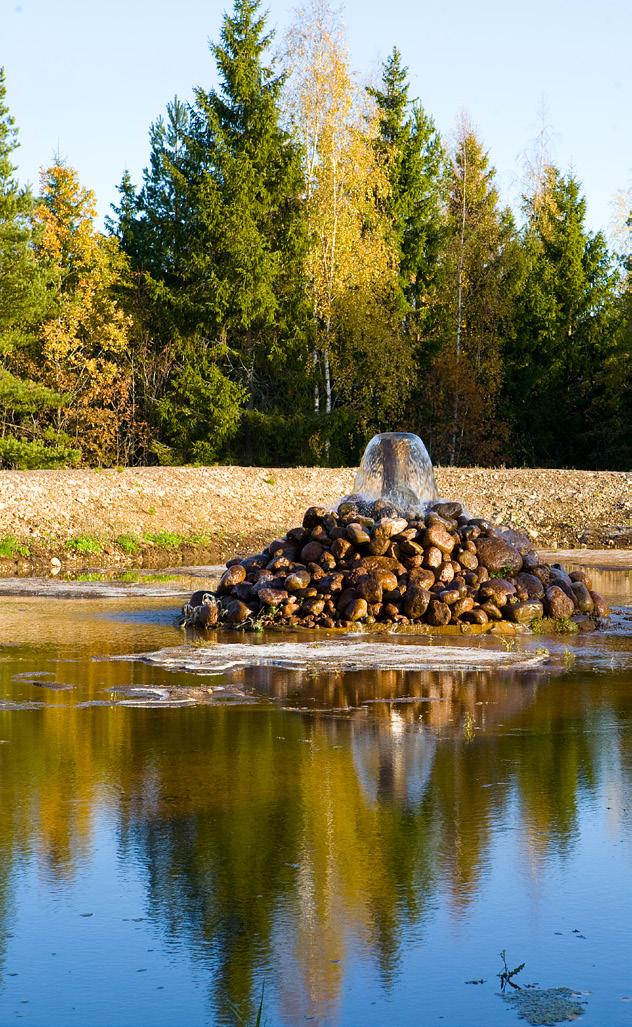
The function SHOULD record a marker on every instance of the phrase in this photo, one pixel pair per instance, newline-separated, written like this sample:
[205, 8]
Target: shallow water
[360, 844]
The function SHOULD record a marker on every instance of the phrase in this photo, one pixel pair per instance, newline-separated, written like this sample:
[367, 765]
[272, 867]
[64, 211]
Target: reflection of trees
[274, 841]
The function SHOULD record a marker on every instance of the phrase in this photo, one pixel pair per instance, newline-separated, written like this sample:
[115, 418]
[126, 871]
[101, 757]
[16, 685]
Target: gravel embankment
[236, 508]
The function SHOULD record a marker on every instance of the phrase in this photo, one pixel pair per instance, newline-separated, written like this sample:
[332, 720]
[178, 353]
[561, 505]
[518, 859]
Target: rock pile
[366, 563]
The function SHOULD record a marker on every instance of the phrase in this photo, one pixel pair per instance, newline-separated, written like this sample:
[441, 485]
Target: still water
[360, 860]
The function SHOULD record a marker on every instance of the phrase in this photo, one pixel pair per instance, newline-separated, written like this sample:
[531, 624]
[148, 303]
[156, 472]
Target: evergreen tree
[411, 149]
[247, 243]
[563, 367]
[481, 266]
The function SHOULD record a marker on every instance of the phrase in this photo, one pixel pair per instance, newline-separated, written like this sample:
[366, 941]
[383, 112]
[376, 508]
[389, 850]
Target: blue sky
[86, 78]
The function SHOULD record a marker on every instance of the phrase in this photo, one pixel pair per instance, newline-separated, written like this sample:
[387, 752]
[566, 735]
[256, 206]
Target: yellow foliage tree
[358, 354]
[84, 341]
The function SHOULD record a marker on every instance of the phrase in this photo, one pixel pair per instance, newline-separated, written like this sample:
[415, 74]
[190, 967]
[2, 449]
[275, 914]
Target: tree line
[306, 262]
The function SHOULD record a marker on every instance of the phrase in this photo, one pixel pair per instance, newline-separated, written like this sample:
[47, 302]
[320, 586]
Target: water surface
[359, 844]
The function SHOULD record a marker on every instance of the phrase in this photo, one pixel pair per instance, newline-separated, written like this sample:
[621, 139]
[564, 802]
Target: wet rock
[440, 538]
[311, 552]
[583, 599]
[497, 589]
[357, 610]
[531, 585]
[449, 510]
[497, 555]
[476, 615]
[357, 535]
[439, 613]
[525, 612]
[433, 557]
[272, 596]
[468, 560]
[313, 516]
[557, 604]
[234, 575]
[462, 606]
[600, 606]
[416, 602]
[237, 612]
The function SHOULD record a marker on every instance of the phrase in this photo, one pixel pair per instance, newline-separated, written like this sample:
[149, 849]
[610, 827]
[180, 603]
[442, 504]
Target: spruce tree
[411, 149]
[481, 265]
[247, 243]
[563, 368]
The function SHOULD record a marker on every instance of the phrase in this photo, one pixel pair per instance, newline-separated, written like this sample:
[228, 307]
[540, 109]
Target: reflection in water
[318, 847]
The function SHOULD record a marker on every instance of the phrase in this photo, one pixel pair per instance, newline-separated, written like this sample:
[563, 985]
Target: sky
[86, 78]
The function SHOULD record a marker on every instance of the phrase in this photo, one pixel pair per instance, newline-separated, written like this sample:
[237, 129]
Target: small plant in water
[93, 576]
[259, 1022]
[506, 975]
[468, 727]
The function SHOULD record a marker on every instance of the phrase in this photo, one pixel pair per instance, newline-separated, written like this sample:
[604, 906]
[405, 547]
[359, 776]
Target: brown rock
[557, 604]
[497, 555]
[463, 606]
[476, 616]
[531, 585]
[340, 547]
[601, 608]
[298, 580]
[272, 596]
[583, 598]
[438, 613]
[313, 606]
[311, 552]
[445, 573]
[416, 602]
[237, 612]
[356, 610]
[421, 576]
[450, 596]
[328, 561]
[497, 589]
[492, 610]
[439, 537]
[357, 535]
[468, 560]
[525, 612]
[313, 516]
[234, 575]
[368, 587]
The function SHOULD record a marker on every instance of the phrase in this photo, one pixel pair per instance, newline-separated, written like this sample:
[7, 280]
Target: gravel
[238, 508]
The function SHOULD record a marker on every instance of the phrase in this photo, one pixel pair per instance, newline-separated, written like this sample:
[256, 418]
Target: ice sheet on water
[343, 654]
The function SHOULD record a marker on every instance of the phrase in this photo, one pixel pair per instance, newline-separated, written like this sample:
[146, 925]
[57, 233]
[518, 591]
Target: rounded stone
[557, 604]
[438, 613]
[298, 580]
[416, 601]
[312, 552]
[232, 576]
[237, 612]
[525, 612]
[439, 537]
[357, 610]
[497, 555]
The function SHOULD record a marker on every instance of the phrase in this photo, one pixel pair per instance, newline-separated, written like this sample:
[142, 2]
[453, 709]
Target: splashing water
[396, 467]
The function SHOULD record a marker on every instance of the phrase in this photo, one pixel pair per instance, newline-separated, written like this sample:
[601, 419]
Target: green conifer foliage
[565, 362]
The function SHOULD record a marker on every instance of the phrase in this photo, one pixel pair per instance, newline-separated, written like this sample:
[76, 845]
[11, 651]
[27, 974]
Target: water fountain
[392, 553]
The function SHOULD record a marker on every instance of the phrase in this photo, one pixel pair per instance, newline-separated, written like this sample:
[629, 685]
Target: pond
[356, 846]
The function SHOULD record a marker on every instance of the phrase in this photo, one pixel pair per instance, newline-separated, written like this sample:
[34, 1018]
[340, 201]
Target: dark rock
[583, 598]
[449, 510]
[312, 552]
[531, 585]
[416, 602]
[313, 516]
[438, 613]
[557, 604]
[237, 612]
[234, 575]
[525, 612]
[498, 556]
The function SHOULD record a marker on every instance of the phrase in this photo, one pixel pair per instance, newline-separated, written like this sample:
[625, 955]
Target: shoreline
[156, 517]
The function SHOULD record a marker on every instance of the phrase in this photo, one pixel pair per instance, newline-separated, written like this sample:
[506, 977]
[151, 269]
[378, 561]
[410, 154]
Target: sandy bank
[217, 511]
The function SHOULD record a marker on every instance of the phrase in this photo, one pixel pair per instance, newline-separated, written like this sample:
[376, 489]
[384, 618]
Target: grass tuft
[130, 544]
[10, 547]
[85, 545]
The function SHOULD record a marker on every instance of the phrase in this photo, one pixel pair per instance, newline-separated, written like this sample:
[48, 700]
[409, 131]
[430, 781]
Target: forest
[307, 261]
